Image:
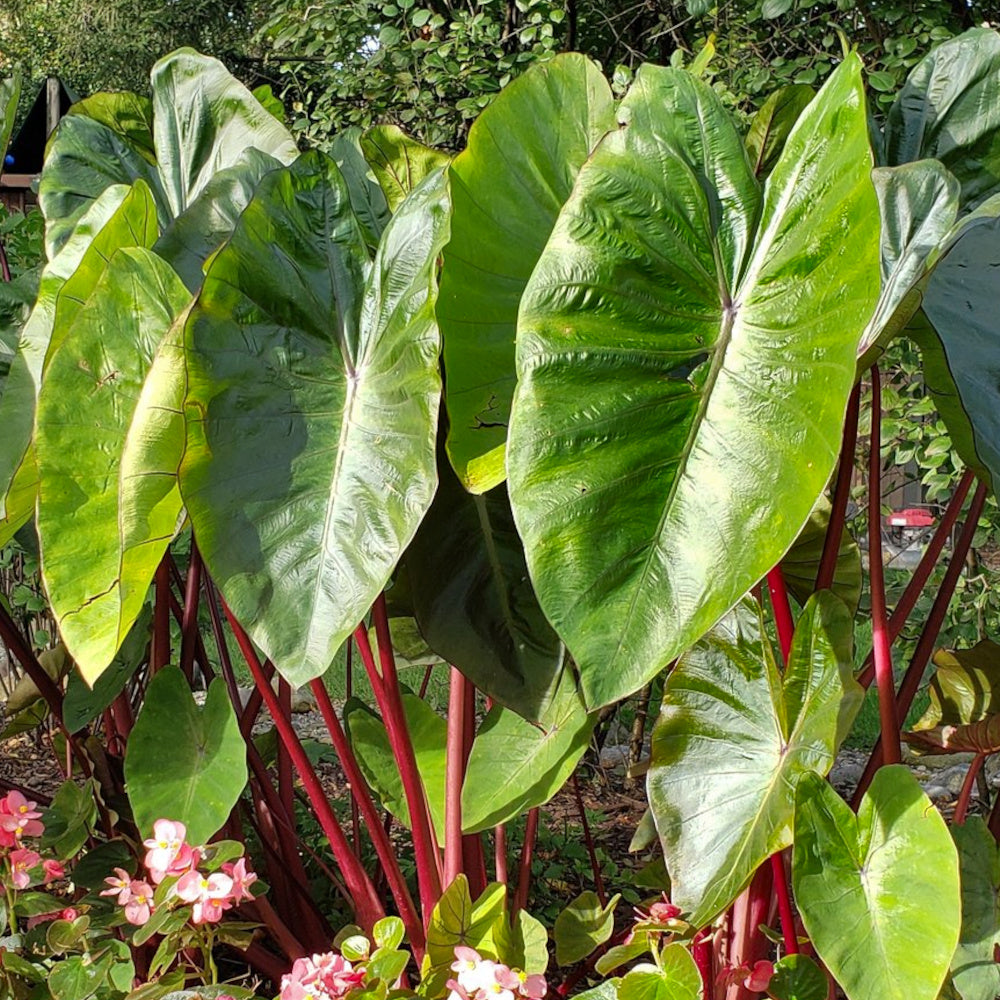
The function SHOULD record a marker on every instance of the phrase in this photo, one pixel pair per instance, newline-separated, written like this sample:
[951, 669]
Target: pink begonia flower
[19, 817]
[756, 979]
[167, 853]
[533, 987]
[320, 977]
[502, 987]
[210, 895]
[53, 870]
[21, 862]
[760, 977]
[120, 886]
[242, 879]
[139, 906]
[474, 972]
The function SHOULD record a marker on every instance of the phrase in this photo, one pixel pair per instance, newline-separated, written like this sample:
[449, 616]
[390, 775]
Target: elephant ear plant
[544, 416]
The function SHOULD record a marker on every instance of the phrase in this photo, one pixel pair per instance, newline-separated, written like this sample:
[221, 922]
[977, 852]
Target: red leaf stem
[928, 637]
[524, 871]
[962, 805]
[360, 891]
[907, 602]
[881, 642]
[380, 838]
[454, 776]
[841, 495]
[390, 703]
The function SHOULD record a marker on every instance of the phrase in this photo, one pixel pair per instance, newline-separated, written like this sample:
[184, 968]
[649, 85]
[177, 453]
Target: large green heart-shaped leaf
[84, 703]
[85, 158]
[10, 94]
[367, 199]
[474, 601]
[399, 162]
[965, 686]
[203, 121]
[918, 204]
[183, 762]
[958, 341]
[684, 371]
[734, 738]
[428, 734]
[949, 110]
[878, 892]
[312, 408]
[120, 217]
[507, 188]
[191, 238]
[974, 970]
[128, 115]
[105, 514]
[515, 765]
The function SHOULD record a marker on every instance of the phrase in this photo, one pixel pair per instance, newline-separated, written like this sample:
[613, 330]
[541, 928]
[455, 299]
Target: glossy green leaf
[507, 188]
[800, 565]
[120, 217]
[583, 926]
[457, 919]
[191, 238]
[965, 686]
[367, 199]
[106, 514]
[534, 760]
[78, 977]
[203, 121]
[949, 110]
[294, 354]
[128, 115]
[474, 602]
[798, 977]
[773, 123]
[918, 205]
[399, 162]
[84, 703]
[675, 978]
[10, 94]
[69, 821]
[959, 344]
[878, 892]
[85, 158]
[428, 734]
[522, 942]
[733, 739]
[975, 973]
[682, 386]
[184, 762]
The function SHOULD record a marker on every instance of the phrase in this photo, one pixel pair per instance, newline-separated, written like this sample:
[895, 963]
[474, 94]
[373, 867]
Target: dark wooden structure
[27, 149]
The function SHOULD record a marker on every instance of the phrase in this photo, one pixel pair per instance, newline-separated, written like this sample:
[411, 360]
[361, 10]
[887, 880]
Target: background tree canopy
[112, 44]
[430, 66]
